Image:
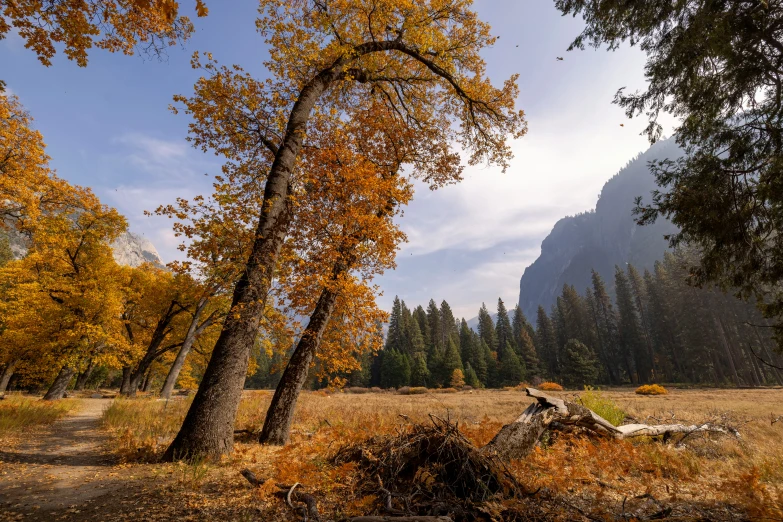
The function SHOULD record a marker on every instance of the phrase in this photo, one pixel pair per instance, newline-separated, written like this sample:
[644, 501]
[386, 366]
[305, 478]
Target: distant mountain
[129, 249]
[599, 239]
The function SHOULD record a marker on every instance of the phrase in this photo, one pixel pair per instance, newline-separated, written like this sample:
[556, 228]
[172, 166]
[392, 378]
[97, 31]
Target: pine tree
[503, 330]
[519, 324]
[486, 328]
[448, 325]
[633, 352]
[433, 319]
[424, 326]
[547, 343]
[607, 335]
[420, 374]
[491, 362]
[415, 341]
[395, 369]
[469, 350]
[641, 302]
[395, 339]
[451, 361]
[511, 371]
[471, 379]
[579, 368]
[457, 379]
[528, 355]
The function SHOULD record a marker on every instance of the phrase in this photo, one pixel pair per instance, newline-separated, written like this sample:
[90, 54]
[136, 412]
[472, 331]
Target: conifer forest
[391, 260]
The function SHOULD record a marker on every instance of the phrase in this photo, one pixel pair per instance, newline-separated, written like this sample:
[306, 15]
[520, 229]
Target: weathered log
[517, 440]
[387, 518]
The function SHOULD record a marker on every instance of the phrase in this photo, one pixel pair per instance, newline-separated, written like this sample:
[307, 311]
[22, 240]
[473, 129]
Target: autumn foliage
[651, 389]
[549, 386]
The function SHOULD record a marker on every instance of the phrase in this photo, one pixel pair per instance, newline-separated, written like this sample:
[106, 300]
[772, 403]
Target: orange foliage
[651, 389]
[114, 25]
[550, 386]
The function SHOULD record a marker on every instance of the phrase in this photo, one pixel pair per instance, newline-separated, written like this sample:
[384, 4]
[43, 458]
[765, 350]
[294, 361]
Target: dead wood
[384, 518]
[517, 440]
[288, 492]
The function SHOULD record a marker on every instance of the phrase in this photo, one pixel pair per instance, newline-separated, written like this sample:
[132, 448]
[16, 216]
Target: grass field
[19, 415]
[712, 477]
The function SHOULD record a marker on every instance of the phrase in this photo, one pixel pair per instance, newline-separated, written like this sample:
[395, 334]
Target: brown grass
[717, 478]
[20, 414]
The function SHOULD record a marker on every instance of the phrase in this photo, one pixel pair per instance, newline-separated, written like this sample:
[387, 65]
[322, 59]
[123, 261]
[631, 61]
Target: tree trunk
[208, 429]
[126, 382]
[727, 350]
[147, 380]
[8, 371]
[60, 384]
[81, 379]
[277, 426]
[179, 361]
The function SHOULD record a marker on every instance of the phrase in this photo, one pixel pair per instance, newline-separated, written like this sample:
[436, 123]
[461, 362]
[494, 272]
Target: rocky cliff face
[129, 249]
[599, 239]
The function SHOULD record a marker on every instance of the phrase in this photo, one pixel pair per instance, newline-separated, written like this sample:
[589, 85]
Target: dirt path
[58, 473]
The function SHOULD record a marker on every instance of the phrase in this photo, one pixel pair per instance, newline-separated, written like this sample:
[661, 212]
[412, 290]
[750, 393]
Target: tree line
[657, 328]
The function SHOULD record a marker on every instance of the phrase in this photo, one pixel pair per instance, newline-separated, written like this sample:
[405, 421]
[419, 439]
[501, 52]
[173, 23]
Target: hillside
[600, 238]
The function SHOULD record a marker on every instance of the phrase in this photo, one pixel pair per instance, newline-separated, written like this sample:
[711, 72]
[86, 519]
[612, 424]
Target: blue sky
[107, 126]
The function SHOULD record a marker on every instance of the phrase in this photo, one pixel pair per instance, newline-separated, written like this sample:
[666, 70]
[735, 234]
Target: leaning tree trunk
[60, 384]
[81, 379]
[208, 429]
[126, 380]
[190, 337]
[8, 371]
[277, 426]
[517, 440]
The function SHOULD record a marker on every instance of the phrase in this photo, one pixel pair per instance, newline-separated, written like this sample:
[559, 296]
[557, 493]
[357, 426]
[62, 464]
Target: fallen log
[517, 440]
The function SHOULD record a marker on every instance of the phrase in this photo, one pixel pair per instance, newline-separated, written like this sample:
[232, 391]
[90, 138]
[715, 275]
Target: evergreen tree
[424, 326]
[547, 343]
[415, 341]
[640, 300]
[528, 354]
[395, 369]
[433, 319]
[579, 368]
[491, 362]
[420, 374]
[520, 324]
[451, 361]
[633, 351]
[503, 330]
[448, 325]
[469, 350]
[395, 339]
[471, 379]
[511, 371]
[486, 328]
[607, 335]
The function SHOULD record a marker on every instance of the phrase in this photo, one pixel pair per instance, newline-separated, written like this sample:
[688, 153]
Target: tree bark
[125, 385]
[81, 379]
[147, 380]
[60, 384]
[194, 330]
[277, 426]
[8, 371]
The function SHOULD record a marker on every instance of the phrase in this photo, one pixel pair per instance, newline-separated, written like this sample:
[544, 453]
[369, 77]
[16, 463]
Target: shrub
[550, 386]
[603, 406]
[414, 390]
[651, 389]
[375, 389]
[457, 378]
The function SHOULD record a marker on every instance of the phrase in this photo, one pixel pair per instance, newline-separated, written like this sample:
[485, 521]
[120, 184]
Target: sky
[108, 126]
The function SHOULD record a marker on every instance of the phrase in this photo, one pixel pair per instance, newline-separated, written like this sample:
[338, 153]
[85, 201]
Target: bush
[651, 389]
[415, 390]
[603, 406]
[550, 386]
[375, 389]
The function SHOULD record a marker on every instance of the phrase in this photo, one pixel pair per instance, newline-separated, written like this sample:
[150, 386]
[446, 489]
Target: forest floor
[99, 462]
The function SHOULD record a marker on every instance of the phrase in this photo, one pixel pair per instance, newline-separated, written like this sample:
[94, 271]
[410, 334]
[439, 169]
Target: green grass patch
[603, 406]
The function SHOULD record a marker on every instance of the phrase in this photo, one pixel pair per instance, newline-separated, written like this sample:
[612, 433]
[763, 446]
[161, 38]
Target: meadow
[569, 476]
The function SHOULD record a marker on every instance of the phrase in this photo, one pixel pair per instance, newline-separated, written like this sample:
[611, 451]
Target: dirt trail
[61, 471]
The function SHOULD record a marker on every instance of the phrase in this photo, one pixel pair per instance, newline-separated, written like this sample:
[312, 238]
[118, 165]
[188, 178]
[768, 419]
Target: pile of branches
[430, 471]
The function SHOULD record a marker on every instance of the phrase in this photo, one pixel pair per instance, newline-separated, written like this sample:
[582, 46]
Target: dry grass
[716, 478]
[20, 414]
